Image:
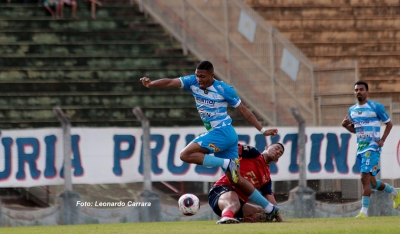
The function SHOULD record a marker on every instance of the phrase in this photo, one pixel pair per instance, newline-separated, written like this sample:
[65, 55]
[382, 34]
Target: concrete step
[89, 74]
[56, 36]
[384, 84]
[323, 11]
[379, 70]
[43, 23]
[46, 100]
[377, 60]
[88, 86]
[328, 3]
[314, 48]
[16, 10]
[100, 48]
[339, 36]
[34, 2]
[336, 23]
[356, 54]
[119, 61]
[104, 112]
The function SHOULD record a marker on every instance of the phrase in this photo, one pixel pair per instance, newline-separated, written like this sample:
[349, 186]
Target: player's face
[204, 78]
[361, 93]
[274, 152]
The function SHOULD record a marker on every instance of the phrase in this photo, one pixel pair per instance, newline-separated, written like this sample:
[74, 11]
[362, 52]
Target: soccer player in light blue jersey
[212, 98]
[363, 119]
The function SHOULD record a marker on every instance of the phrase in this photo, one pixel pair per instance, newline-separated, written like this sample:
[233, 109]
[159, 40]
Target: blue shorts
[369, 162]
[213, 197]
[222, 142]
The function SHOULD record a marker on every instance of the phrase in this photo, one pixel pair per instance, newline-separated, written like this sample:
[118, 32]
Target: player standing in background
[212, 98]
[230, 203]
[363, 119]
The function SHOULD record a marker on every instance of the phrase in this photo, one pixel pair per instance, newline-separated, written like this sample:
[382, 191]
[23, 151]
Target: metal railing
[249, 62]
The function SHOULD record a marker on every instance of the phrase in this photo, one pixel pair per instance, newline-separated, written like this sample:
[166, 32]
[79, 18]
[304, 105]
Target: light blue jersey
[366, 119]
[212, 102]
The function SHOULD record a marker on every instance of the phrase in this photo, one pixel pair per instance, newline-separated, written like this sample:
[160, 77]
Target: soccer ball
[189, 204]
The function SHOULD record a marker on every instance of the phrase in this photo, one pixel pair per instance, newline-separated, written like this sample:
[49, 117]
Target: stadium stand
[90, 68]
[332, 31]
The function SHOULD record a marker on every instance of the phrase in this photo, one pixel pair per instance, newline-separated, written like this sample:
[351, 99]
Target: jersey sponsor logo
[362, 145]
[204, 114]
[361, 122]
[365, 136]
[215, 148]
[207, 125]
[205, 101]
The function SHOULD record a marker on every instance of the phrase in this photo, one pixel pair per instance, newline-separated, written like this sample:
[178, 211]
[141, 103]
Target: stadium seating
[332, 31]
[90, 68]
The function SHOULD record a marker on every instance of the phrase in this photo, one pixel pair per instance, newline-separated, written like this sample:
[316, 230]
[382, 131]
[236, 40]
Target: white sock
[395, 192]
[269, 208]
[364, 210]
[226, 163]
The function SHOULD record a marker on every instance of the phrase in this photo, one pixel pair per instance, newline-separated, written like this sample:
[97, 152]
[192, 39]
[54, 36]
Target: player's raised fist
[145, 81]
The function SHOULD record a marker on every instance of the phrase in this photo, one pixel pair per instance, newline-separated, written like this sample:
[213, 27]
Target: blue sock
[211, 161]
[388, 188]
[365, 201]
[378, 184]
[257, 198]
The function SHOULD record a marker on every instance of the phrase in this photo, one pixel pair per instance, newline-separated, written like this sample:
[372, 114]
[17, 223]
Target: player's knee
[229, 201]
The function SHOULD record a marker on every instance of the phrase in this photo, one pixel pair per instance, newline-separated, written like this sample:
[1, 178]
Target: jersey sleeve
[381, 113]
[188, 81]
[248, 151]
[266, 189]
[230, 95]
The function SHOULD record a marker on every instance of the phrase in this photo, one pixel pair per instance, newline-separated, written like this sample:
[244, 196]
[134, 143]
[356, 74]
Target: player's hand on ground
[278, 218]
[145, 81]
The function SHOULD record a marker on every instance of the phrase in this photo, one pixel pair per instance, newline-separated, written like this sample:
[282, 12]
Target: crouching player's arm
[271, 198]
[255, 213]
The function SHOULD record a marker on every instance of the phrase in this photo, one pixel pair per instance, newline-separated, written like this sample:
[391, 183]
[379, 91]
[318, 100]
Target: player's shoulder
[188, 78]
[250, 151]
[374, 104]
[353, 107]
[223, 88]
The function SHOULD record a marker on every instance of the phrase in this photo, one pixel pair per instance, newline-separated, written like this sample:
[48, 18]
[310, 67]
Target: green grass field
[379, 225]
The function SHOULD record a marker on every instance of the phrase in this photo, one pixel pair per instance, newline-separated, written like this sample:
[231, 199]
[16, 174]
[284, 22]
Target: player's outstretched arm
[251, 118]
[161, 83]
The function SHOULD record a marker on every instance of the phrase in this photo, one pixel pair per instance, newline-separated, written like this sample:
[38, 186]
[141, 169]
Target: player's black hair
[283, 147]
[360, 82]
[205, 65]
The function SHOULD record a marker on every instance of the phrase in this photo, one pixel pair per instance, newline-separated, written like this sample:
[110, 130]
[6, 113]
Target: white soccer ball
[189, 204]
